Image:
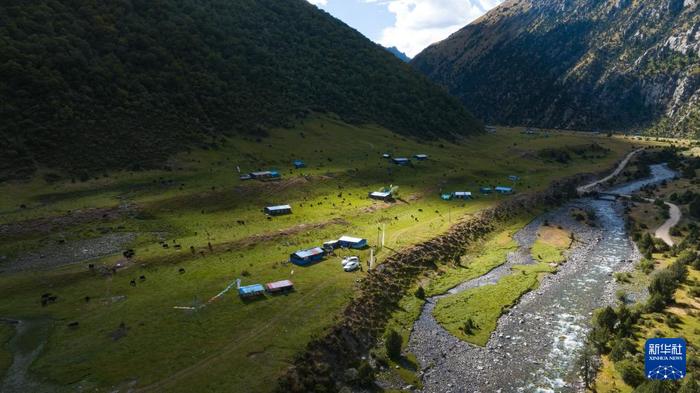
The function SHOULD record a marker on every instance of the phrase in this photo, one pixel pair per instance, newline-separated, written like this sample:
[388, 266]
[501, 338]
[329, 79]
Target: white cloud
[318, 2]
[420, 23]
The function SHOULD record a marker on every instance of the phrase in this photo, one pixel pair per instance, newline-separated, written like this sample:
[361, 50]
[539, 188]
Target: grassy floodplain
[133, 337]
[485, 304]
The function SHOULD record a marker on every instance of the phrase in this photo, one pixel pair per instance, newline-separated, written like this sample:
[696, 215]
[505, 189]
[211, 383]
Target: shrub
[469, 326]
[420, 293]
[621, 348]
[392, 344]
[663, 284]
[365, 374]
[694, 208]
[646, 265]
[656, 303]
[630, 372]
[606, 318]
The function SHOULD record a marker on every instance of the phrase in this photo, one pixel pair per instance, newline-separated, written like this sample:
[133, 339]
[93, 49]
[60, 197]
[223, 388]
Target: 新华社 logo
[664, 358]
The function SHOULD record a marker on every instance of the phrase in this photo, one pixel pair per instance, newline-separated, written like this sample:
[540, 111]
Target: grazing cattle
[192, 249]
[165, 245]
[91, 266]
[128, 254]
[142, 278]
[182, 270]
[132, 283]
[87, 299]
[73, 325]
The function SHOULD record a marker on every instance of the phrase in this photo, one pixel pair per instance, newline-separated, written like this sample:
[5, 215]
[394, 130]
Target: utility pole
[383, 231]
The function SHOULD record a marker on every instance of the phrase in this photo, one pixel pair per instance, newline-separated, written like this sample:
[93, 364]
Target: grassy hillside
[123, 84]
[200, 202]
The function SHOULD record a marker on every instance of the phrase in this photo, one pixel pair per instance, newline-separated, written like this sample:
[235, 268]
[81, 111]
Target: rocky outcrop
[581, 64]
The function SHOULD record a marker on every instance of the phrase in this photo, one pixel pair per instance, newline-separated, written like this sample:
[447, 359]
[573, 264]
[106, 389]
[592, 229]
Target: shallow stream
[536, 344]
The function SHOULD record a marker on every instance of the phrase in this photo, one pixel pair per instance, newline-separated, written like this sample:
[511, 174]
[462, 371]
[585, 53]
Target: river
[537, 343]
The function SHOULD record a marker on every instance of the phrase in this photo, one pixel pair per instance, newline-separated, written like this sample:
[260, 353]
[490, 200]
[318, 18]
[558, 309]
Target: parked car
[351, 266]
[347, 260]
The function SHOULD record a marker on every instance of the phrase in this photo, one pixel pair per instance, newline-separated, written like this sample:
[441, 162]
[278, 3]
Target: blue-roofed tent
[462, 195]
[299, 164]
[245, 177]
[265, 175]
[485, 190]
[421, 157]
[331, 245]
[352, 242]
[278, 210]
[514, 178]
[401, 161]
[446, 196]
[386, 155]
[504, 190]
[381, 195]
[305, 257]
[251, 290]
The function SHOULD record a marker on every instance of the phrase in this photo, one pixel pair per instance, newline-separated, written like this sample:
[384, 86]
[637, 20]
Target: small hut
[352, 242]
[279, 286]
[249, 291]
[504, 190]
[421, 157]
[278, 210]
[305, 257]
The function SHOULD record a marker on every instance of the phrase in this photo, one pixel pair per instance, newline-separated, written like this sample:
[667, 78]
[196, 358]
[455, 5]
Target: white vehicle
[351, 266]
[347, 260]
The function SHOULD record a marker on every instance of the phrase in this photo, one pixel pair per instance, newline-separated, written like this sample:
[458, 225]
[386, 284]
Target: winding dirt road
[589, 187]
[664, 231]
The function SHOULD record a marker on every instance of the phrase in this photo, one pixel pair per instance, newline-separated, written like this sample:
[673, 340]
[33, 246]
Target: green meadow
[197, 228]
[485, 304]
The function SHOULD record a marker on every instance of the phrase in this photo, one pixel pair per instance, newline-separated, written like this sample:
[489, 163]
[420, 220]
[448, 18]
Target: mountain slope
[396, 52]
[576, 64]
[91, 85]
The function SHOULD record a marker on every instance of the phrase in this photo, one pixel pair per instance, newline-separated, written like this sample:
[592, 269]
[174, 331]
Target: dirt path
[589, 187]
[26, 345]
[664, 231]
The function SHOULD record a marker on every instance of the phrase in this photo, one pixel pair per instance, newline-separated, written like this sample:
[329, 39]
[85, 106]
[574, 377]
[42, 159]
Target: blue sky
[410, 25]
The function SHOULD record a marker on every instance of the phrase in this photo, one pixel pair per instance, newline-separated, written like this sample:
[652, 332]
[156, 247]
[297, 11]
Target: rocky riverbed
[536, 344]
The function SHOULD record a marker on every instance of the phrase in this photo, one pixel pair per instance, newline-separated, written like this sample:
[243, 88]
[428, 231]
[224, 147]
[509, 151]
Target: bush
[392, 344]
[469, 326]
[694, 208]
[656, 303]
[656, 387]
[630, 372]
[691, 385]
[606, 318]
[365, 374]
[420, 293]
[646, 265]
[621, 348]
[664, 285]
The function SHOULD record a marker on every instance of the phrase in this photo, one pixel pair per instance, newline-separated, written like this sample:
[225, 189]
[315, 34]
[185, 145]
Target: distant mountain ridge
[124, 84]
[581, 64]
[396, 52]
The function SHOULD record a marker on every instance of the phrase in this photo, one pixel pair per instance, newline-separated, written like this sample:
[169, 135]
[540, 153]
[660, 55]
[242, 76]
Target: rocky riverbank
[536, 343]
